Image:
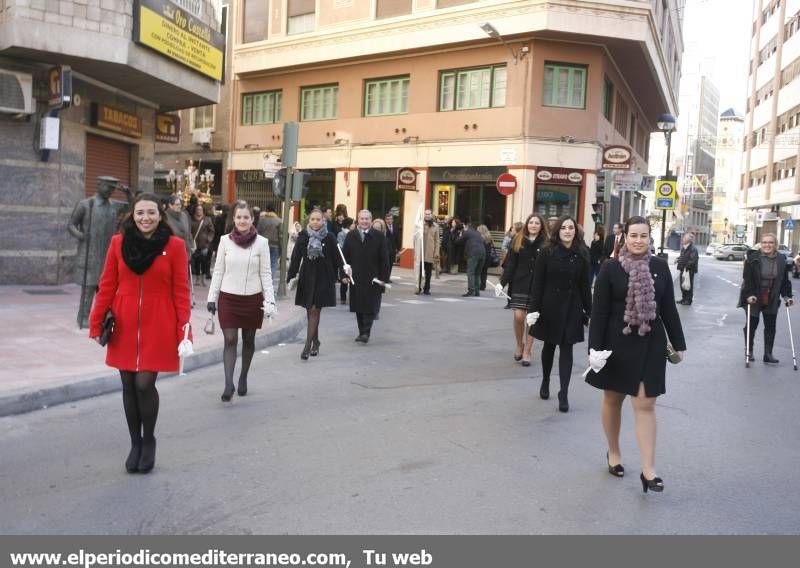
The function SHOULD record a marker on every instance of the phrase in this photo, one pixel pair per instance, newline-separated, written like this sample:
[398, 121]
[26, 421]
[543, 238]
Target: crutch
[791, 338]
[350, 276]
[747, 340]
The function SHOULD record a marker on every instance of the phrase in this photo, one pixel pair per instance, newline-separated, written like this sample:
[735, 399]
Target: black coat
[688, 259]
[519, 266]
[634, 358]
[561, 294]
[368, 259]
[473, 243]
[596, 252]
[316, 285]
[608, 248]
[751, 283]
[393, 241]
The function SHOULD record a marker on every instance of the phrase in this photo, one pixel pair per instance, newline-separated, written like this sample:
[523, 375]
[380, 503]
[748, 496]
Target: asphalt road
[431, 428]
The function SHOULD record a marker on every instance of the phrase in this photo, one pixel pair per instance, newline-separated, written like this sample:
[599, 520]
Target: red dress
[150, 309]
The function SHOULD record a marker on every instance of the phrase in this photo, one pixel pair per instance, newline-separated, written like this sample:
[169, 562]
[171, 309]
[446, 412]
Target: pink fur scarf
[640, 303]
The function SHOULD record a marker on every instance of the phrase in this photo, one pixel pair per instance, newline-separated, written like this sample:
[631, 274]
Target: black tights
[231, 336]
[140, 400]
[312, 333]
[564, 363]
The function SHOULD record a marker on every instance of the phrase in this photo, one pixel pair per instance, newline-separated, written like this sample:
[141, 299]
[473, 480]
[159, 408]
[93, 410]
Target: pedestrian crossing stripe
[415, 302]
[447, 300]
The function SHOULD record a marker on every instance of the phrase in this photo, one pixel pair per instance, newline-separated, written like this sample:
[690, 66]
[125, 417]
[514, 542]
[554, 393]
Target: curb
[23, 402]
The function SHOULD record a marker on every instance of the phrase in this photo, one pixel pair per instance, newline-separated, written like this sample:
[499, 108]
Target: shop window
[484, 87]
[301, 16]
[392, 8]
[318, 103]
[564, 85]
[556, 200]
[255, 17]
[386, 96]
[608, 98]
[261, 108]
[482, 204]
[382, 197]
[203, 118]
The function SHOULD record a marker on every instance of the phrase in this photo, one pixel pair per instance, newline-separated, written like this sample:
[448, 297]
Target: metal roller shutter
[106, 157]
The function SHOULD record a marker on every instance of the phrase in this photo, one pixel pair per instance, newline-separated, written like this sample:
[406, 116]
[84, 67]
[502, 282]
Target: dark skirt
[520, 301]
[240, 312]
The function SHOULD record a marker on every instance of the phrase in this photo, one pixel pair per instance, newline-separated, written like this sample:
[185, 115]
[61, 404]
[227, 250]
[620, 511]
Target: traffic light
[279, 184]
[300, 185]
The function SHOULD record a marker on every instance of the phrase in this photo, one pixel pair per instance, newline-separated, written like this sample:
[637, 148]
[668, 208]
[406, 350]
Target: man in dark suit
[392, 240]
[614, 242]
[366, 254]
[475, 251]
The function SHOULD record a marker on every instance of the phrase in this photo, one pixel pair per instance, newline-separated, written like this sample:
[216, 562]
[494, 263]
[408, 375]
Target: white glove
[498, 289]
[269, 309]
[348, 269]
[531, 318]
[185, 348]
[598, 359]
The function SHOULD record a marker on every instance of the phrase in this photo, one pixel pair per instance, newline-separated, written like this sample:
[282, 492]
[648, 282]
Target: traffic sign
[666, 194]
[506, 184]
[788, 224]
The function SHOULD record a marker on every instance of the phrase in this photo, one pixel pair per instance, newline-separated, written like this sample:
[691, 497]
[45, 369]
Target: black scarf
[138, 252]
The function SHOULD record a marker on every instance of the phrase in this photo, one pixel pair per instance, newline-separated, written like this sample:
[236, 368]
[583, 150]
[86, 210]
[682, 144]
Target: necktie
[363, 234]
[616, 246]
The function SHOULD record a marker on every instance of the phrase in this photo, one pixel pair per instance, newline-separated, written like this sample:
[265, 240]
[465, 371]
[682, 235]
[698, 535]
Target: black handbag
[108, 328]
[494, 260]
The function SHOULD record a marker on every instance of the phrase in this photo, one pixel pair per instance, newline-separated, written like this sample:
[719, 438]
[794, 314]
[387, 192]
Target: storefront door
[482, 204]
[106, 157]
[381, 197]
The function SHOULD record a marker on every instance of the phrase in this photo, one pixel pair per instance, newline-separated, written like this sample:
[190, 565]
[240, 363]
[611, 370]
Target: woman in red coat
[146, 287]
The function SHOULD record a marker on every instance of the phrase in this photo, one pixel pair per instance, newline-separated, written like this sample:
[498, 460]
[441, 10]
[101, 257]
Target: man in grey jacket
[269, 227]
[475, 251]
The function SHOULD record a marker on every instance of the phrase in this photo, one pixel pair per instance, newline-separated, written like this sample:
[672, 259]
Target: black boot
[563, 403]
[544, 389]
[148, 458]
[768, 358]
[769, 341]
[132, 463]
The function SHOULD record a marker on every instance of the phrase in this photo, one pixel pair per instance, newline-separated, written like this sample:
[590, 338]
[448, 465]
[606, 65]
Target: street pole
[662, 254]
[287, 205]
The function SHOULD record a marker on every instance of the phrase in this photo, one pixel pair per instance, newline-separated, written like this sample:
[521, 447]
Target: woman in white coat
[241, 288]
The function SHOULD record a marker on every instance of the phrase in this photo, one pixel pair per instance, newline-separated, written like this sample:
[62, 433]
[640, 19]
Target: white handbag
[686, 282]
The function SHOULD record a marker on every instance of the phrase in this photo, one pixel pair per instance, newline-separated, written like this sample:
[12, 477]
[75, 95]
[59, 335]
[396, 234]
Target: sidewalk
[47, 360]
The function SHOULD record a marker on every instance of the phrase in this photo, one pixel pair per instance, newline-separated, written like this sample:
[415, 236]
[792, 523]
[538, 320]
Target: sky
[716, 35]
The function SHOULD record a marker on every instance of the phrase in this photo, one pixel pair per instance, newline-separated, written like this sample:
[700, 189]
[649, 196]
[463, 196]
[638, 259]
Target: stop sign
[506, 184]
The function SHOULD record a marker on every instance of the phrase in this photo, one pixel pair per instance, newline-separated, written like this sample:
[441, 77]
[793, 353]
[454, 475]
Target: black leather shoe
[227, 395]
[544, 390]
[314, 348]
[132, 463]
[656, 484]
[362, 338]
[469, 293]
[615, 470]
[148, 458]
[768, 358]
[426, 292]
[563, 403]
[241, 388]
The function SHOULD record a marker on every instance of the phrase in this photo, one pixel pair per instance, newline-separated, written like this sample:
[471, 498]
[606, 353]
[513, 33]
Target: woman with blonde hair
[518, 275]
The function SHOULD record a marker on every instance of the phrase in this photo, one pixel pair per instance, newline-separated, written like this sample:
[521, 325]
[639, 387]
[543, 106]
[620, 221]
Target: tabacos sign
[559, 175]
[616, 158]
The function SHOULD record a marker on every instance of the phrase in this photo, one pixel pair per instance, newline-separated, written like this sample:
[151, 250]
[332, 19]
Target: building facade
[728, 219]
[461, 91]
[770, 188]
[82, 85]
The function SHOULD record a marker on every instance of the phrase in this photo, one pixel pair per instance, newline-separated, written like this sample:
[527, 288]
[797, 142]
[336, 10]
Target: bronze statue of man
[94, 221]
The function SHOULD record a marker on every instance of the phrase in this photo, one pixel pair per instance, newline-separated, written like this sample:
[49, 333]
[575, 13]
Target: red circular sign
[506, 184]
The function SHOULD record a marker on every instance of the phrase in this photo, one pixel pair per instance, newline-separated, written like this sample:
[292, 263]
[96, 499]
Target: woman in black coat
[316, 262]
[596, 251]
[764, 280]
[518, 275]
[560, 302]
[633, 323]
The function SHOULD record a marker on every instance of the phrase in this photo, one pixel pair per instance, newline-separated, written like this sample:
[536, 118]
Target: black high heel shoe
[656, 484]
[615, 470]
[563, 402]
[314, 348]
[241, 388]
[517, 357]
[148, 458]
[306, 351]
[132, 463]
[227, 395]
[544, 390]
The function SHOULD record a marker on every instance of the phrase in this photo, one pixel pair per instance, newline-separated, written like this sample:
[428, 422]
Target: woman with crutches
[764, 280]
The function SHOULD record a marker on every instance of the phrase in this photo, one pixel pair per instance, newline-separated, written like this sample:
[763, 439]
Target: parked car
[712, 248]
[731, 252]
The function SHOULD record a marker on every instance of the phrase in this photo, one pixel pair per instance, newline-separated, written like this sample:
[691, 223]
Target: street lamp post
[666, 124]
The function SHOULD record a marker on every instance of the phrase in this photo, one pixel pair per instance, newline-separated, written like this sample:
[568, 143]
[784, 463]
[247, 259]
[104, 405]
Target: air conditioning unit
[16, 93]
[202, 137]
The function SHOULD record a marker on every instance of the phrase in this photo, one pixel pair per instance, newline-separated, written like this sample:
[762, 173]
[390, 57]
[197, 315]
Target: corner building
[381, 84]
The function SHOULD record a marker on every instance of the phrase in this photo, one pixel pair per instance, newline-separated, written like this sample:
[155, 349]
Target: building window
[301, 16]
[261, 108]
[318, 103]
[472, 88]
[621, 116]
[564, 85]
[386, 96]
[392, 8]
[608, 98]
[203, 118]
[255, 18]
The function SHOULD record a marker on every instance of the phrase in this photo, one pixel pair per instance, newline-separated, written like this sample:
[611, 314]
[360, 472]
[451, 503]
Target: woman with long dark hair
[518, 275]
[316, 263]
[145, 284]
[242, 285]
[560, 302]
[633, 314]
